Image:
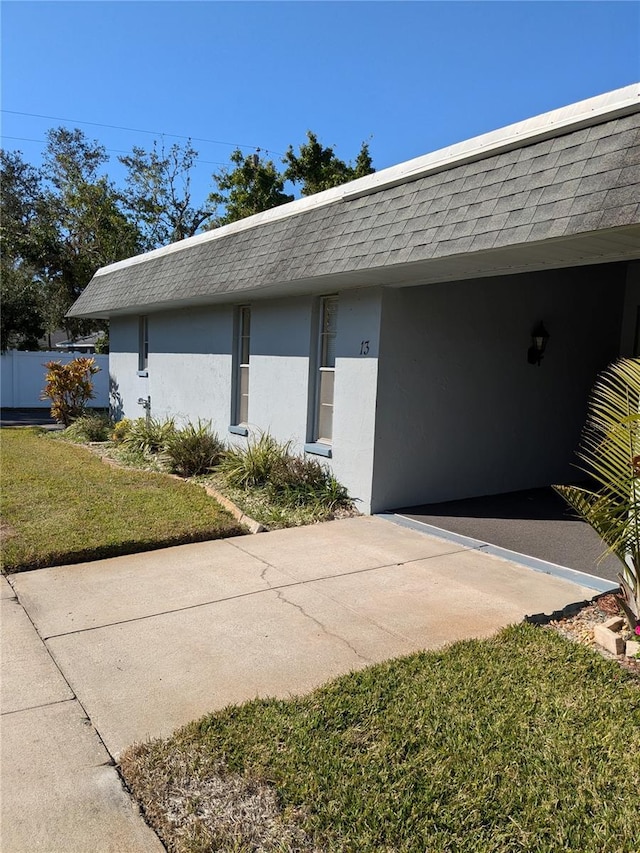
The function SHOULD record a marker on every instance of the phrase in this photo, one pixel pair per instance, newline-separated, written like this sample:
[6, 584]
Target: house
[386, 325]
[85, 345]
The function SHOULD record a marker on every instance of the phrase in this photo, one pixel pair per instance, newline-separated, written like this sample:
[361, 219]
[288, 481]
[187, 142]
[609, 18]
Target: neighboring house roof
[561, 189]
[88, 342]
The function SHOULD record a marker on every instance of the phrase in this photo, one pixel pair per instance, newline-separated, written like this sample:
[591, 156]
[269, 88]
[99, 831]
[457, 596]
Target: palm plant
[610, 449]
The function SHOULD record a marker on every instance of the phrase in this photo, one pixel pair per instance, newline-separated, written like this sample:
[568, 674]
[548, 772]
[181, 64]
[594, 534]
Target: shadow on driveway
[28, 417]
[535, 522]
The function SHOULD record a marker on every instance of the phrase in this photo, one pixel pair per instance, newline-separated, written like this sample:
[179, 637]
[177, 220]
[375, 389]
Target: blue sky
[409, 77]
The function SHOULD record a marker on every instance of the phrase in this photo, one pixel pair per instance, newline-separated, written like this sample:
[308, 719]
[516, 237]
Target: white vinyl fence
[23, 378]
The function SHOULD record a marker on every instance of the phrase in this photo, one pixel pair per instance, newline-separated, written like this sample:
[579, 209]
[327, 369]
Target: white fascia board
[555, 123]
[592, 111]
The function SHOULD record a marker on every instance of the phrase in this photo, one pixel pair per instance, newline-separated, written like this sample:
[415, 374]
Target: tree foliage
[251, 186]
[62, 221]
[318, 168]
[158, 195]
[610, 451]
[85, 214]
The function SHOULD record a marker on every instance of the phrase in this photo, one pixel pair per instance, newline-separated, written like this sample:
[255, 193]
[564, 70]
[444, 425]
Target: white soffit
[592, 111]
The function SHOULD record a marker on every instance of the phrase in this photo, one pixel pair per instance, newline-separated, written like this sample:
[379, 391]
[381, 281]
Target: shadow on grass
[120, 549]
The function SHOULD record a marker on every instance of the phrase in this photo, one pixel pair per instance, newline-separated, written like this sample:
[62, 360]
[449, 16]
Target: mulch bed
[579, 628]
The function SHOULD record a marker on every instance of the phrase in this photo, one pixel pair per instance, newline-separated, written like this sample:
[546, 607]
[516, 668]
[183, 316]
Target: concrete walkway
[98, 655]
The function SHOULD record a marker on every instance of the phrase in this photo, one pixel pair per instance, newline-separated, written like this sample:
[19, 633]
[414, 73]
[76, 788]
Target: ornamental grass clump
[148, 435]
[91, 427]
[195, 449]
[287, 479]
[251, 466]
[610, 450]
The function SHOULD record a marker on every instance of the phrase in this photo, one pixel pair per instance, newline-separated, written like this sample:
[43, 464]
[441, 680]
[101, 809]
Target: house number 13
[364, 347]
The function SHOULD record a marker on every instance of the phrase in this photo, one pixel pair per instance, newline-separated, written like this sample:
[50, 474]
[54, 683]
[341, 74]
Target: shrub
[147, 435]
[69, 387]
[91, 427]
[193, 450]
[121, 430]
[299, 481]
[289, 480]
[245, 467]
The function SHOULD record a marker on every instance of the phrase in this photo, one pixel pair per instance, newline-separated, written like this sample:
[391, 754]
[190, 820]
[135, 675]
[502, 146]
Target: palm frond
[610, 451]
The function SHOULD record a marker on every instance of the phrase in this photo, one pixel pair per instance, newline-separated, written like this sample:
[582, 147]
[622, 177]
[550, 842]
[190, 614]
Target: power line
[140, 130]
[112, 150]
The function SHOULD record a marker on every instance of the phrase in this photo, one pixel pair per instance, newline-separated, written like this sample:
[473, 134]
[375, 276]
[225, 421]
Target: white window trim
[143, 345]
[238, 427]
[324, 443]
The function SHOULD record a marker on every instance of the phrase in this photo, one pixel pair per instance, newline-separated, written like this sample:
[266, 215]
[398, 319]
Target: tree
[318, 168]
[159, 194]
[610, 450]
[83, 221]
[253, 185]
[21, 319]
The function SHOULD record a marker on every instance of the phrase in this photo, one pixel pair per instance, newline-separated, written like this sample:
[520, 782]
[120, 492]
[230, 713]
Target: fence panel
[23, 379]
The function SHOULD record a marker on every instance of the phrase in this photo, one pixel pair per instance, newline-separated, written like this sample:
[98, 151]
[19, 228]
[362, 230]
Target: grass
[62, 505]
[525, 742]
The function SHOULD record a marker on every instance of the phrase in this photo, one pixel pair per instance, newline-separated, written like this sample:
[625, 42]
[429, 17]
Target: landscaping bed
[265, 479]
[524, 742]
[61, 505]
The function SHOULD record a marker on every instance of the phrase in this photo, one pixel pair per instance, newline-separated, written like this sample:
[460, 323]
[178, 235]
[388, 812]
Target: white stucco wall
[125, 386]
[190, 374]
[460, 411]
[283, 371]
[281, 333]
[189, 371]
[356, 379]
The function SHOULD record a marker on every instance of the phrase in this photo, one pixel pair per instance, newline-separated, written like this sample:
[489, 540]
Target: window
[326, 369]
[143, 344]
[242, 365]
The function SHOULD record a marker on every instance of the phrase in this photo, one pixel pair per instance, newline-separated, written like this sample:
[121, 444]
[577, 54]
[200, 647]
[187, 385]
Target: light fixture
[539, 338]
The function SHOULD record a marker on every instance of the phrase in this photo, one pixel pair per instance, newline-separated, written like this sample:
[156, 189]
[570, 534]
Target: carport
[533, 523]
[470, 435]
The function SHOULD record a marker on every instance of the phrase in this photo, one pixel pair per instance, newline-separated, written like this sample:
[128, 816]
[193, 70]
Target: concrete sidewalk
[99, 655]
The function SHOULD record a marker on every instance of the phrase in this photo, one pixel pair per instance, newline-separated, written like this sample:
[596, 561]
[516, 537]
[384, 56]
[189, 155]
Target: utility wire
[112, 150]
[140, 130]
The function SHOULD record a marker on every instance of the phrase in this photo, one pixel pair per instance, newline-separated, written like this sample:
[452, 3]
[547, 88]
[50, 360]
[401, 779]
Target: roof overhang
[611, 246]
[563, 120]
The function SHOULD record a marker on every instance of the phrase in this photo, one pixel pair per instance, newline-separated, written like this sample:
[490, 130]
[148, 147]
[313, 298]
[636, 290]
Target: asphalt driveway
[99, 655]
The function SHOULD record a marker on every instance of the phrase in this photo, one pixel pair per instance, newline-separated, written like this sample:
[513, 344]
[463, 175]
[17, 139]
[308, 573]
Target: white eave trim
[593, 111]
[606, 107]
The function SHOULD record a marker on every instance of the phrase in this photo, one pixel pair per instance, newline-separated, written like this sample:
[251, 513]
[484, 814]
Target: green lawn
[60, 504]
[525, 742]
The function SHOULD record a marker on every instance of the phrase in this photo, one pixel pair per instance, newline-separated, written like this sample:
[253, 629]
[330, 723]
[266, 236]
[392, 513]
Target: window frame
[241, 370]
[323, 356]
[143, 345]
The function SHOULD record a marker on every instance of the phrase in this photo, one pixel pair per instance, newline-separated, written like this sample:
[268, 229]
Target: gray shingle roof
[583, 181]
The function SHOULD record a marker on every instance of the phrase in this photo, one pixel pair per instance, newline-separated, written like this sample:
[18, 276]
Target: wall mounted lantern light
[539, 338]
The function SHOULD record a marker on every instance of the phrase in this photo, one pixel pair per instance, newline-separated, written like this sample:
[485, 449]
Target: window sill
[234, 429]
[142, 372]
[318, 449]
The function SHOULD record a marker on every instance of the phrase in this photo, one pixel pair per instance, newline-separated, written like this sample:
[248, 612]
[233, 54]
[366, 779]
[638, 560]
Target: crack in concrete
[270, 588]
[321, 625]
[42, 705]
